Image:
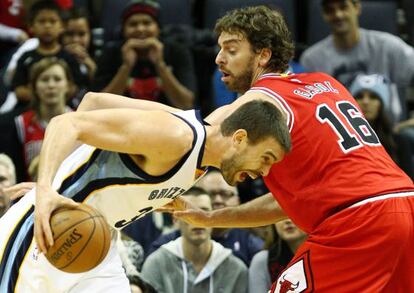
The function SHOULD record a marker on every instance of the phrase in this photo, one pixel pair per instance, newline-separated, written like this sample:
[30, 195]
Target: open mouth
[224, 75]
[243, 175]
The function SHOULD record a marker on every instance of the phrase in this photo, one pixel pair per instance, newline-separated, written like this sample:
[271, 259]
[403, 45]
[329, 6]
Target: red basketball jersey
[336, 158]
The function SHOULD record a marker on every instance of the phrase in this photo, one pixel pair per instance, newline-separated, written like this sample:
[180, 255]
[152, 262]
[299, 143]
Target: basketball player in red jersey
[337, 184]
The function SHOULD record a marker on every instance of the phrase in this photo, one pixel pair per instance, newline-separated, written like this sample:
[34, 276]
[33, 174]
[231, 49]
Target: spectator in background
[142, 66]
[351, 50]
[12, 28]
[140, 286]
[149, 228]
[46, 24]
[7, 178]
[77, 39]
[52, 84]
[132, 254]
[372, 93]
[268, 264]
[243, 244]
[373, 96]
[194, 262]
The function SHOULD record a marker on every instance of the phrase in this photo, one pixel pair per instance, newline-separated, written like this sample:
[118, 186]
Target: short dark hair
[261, 119]
[264, 28]
[76, 13]
[39, 6]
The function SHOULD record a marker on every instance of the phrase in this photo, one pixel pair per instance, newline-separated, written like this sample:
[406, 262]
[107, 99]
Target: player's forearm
[59, 141]
[97, 101]
[261, 211]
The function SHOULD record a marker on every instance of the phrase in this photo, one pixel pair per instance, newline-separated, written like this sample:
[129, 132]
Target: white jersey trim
[290, 117]
[382, 197]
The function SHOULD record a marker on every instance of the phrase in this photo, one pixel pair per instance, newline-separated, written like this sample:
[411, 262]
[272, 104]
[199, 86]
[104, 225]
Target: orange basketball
[81, 239]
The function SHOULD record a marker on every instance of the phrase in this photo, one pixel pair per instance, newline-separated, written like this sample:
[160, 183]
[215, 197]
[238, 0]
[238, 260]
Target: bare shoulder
[255, 95]
[223, 112]
[173, 135]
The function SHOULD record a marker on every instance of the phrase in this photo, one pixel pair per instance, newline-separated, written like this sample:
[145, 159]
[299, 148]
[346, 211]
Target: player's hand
[195, 216]
[178, 204]
[153, 47]
[18, 190]
[129, 53]
[47, 200]
[182, 209]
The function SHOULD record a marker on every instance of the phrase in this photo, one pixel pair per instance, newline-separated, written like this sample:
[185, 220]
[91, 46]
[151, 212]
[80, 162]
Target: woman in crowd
[52, 85]
[266, 265]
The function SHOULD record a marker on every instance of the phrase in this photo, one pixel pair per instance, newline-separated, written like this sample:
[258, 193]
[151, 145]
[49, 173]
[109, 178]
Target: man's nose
[219, 58]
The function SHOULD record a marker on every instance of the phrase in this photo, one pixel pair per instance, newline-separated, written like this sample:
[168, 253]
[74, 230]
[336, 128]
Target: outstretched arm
[260, 211]
[95, 101]
[143, 133]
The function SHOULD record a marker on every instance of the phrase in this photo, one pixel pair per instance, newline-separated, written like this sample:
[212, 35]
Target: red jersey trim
[290, 117]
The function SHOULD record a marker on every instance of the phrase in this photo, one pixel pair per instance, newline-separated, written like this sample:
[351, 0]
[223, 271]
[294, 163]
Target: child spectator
[45, 24]
[142, 66]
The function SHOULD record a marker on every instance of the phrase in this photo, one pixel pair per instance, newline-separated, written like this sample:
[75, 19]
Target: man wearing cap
[143, 67]
[351, 50]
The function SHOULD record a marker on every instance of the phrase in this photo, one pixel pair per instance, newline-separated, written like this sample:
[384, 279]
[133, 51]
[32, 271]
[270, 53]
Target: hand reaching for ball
[47, 201]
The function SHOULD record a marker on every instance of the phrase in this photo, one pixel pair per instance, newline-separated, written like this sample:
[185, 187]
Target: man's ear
[240, 137]
[264, 57]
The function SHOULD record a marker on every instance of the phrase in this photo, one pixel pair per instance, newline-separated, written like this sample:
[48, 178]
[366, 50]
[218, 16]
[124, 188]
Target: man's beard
[244, 81]
[229, 168]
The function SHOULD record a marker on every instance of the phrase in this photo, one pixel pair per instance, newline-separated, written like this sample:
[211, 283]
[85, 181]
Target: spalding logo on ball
[81, 239]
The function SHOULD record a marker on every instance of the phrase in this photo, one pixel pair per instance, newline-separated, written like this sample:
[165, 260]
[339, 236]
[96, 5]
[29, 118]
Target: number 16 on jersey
[349, 140]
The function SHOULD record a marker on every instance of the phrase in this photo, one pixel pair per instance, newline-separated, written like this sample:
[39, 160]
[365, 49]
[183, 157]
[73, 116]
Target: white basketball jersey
[108, 181]
[118, 188]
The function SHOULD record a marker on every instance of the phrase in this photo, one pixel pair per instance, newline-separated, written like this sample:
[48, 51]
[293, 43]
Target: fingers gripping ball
[81, 239]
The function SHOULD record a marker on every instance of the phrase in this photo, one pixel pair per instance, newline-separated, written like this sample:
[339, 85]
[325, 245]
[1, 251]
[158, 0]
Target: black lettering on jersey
[153, 194]
[141, 213]
[180, 192]
[172, 192]
[163, 192]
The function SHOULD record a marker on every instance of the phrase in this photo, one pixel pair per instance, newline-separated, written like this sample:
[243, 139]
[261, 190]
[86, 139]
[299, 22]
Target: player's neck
[215, 147]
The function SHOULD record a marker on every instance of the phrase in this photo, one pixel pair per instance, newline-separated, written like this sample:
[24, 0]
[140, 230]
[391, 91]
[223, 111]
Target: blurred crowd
[54, 51]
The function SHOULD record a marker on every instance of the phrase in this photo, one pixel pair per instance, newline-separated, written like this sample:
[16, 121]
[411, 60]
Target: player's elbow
[89, 102]
[65, 123]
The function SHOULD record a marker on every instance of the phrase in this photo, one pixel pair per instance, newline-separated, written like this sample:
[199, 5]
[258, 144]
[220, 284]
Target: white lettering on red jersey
[336, 158]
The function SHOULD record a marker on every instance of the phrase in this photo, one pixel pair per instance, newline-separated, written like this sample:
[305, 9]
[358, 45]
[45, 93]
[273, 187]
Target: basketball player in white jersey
[132, 162]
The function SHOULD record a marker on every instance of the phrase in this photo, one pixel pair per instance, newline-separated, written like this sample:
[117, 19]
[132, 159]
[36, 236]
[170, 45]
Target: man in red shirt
[337, 184]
